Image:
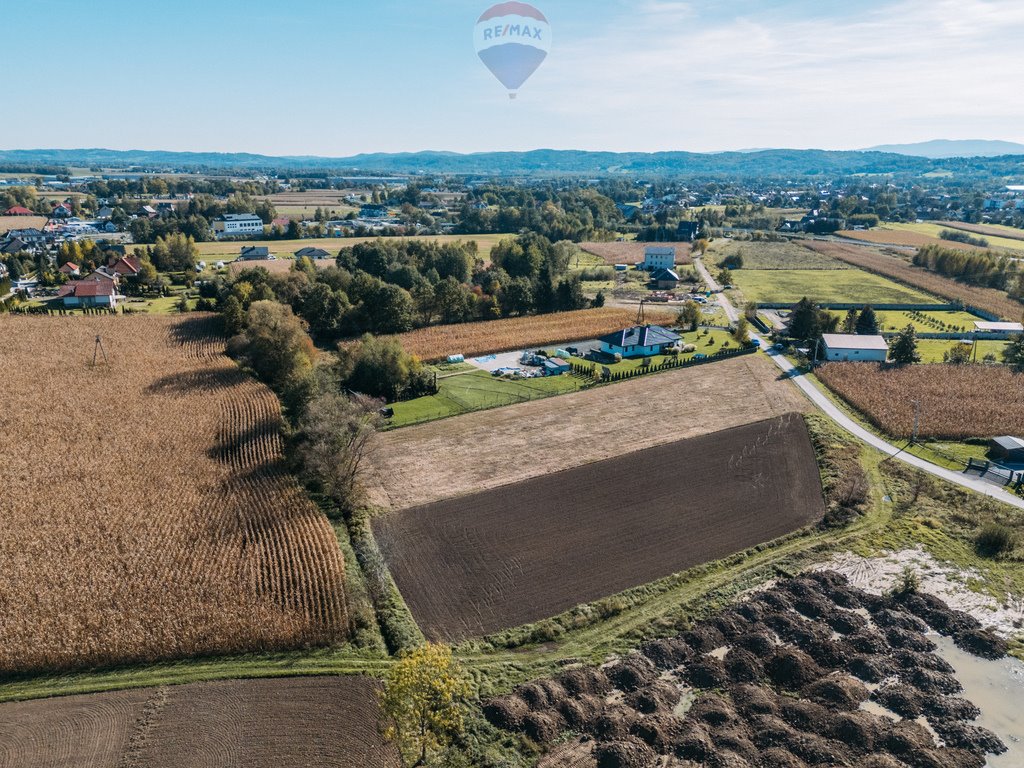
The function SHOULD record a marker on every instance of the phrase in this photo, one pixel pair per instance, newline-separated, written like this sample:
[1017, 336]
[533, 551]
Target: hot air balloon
[512, 39]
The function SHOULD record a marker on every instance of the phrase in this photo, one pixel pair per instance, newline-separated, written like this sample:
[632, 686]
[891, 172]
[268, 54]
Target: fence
[591, 371]
[953, 307]
[1002, 475]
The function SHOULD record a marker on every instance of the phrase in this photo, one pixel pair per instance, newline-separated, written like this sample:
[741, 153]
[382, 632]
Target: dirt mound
[846, 597]
[815, 750]
[950, 708]
[914, 660]
[506, 712]
[908, 639]
[845, 622]
[777, 599]
[868, 641]
[535, 695]
[858, 730]
[792, 669]
[780, 758]
[651, 698]
[706, 672]
[771, 731]
[580, 680]
[813, 607]
[659, 731]
[626, 753]
[888, 617]
[881, 761]
[743, 666]
[632, 672]
[712, 709]
[754, 611]
[581, 712]
[901, 699]
[759, 643]
[694, 741]
[970, 737]
[837, 692]
[735, 739]
[829, 653]
[927, 681]
[784, 623]
[542, 727]
[801, 587]
[950, 622]
[960, 758]
[907, 738]
[667, 654]
[981, 642]
[703, 638]
[731, 624]
[615, 722]
[753, 700]
[871, 669]
[806, 716]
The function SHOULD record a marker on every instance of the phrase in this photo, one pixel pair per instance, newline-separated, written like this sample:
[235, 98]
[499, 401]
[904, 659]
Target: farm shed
[1000, 327]
[665, 279]
[639, 341]
[659, 257]
[255, 253]
[555, 367]
[1007, 449]
[853, 348]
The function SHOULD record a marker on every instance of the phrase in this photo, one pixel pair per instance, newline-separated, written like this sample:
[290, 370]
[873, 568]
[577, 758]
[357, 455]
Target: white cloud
[669, 77]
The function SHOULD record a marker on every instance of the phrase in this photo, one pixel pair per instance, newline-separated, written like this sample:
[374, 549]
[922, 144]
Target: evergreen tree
[1013, 355]
[903, 349]
[850, 322]
[867, 323]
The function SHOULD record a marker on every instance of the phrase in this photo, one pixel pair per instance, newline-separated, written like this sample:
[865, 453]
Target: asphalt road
[829, 409]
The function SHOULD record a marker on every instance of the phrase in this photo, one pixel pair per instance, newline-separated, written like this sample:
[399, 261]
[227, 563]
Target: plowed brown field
[523, 552]
[146, 513]
[237, 724]
[442, 459]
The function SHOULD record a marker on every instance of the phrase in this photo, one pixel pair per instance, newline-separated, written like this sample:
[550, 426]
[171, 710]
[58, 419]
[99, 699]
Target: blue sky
[338, 77]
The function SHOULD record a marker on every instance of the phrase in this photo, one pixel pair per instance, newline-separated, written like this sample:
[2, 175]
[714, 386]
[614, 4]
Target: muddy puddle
[997, 687]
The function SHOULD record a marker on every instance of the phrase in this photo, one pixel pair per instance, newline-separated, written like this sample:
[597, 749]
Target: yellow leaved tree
[423, 698]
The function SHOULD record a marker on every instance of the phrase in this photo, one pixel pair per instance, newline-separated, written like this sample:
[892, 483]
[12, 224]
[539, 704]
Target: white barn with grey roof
[844, 347]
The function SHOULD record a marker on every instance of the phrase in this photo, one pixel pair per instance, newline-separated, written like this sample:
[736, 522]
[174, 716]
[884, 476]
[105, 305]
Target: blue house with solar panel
[640, 341]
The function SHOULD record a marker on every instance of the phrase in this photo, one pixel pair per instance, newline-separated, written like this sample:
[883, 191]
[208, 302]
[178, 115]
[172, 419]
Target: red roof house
[18, 210]
[70, 269]
[127, 266]
[88, 293]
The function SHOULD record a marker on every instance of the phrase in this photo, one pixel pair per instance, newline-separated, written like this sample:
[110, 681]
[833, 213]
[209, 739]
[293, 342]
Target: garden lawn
[923, 322]
[853, 286]
[476, 391]
[931, 350]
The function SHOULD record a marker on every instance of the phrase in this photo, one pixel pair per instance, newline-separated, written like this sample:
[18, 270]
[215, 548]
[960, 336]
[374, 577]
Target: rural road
[829, 409]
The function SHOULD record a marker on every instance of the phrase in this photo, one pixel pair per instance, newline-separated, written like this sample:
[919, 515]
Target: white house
[658, 257]
[854, 348]
[639, 341]
[235, 224]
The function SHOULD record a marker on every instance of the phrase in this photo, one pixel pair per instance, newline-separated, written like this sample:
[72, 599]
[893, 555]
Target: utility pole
[640, 316]
[817, 345]
[917, 420]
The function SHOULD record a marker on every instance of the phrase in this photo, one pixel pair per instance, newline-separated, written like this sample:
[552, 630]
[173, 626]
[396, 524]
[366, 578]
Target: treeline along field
[146, 513]
[523, 552]
[957, 401]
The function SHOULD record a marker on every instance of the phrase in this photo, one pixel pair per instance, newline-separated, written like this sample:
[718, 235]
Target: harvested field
[896, 268]
[957, 401]
[237, 724]
[806, 693]
[470, 339]
[227, 249]
[633, 252]
[501, 558]
[987, 230]
[279, 267]
[759, 254]
[146, 512]
[904, 238]
[482, 450]
[8, 223]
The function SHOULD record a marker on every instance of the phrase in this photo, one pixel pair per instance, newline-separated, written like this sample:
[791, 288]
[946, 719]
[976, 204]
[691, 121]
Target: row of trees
[974, 267]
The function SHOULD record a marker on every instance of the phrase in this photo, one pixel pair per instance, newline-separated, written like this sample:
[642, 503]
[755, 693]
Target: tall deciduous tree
[423, 698]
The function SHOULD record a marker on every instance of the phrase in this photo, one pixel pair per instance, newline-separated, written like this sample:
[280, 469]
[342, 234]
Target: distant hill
[945, 148]
[790, 164]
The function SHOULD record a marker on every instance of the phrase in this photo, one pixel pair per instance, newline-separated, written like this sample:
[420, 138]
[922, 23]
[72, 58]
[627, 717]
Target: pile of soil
[787, 693]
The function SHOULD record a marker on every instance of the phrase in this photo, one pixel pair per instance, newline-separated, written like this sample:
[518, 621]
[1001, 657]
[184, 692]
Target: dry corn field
[469, 339]
[957, 402]
[146, 513]
[902, 271]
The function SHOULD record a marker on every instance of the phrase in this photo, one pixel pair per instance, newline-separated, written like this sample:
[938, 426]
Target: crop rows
[988, 299]
[956, 402]
[147, 514]
[469, 339]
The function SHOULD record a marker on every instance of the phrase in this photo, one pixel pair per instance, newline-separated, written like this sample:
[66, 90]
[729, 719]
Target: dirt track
[498, 559]
[236, 724]
[442, 459]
